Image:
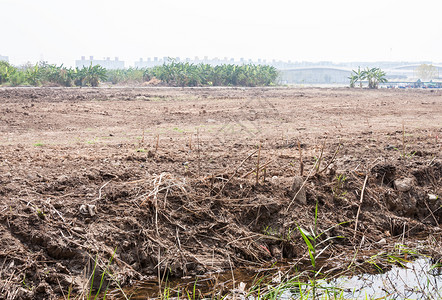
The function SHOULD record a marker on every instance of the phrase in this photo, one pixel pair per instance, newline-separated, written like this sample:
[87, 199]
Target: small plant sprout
[40, 214]
[311, 239]
[338, 188]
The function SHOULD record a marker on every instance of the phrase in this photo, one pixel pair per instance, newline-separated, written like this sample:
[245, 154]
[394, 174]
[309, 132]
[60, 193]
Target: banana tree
[380, 77]
[6, 71]
[93, 75]
[374, 77]
[353, 79]
[358, 75]
[187, 74]
[33, 75]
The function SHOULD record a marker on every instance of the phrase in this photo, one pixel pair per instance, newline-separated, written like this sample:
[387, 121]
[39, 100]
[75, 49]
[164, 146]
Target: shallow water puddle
[419, 279]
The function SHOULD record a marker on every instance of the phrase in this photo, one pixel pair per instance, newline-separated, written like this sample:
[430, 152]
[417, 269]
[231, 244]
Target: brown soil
[160, 175]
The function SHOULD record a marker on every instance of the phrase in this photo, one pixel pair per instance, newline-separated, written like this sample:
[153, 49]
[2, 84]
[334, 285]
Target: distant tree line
[427, 72]
[170, 74]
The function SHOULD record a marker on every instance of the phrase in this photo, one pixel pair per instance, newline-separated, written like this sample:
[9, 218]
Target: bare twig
[332, 159]
[158, 142]
[190, 141]
[403, 140]
[318, 165]
[302, 186]
[263, 167]
[231, 270]
[236, 170]
[159, 270]
[257, 164]
[100, 190]
[360, 204]
[301, 163]
[431, 212]
[198, 151]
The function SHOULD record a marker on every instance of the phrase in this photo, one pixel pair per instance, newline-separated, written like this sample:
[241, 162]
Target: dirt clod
[404, 185]
[299, 190]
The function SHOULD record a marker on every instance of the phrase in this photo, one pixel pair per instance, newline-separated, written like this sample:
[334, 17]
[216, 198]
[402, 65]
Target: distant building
[141, 63]
[410, 71]
[5, 58]
[148, 63]
[315, 75]
[105, 63]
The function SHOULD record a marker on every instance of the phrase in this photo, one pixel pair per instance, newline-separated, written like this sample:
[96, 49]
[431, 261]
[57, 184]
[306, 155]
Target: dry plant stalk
[332, 159]
[303, 184]
[158, 142]
[301, 163]
[142, 140]
[212, 181]
[190, 141]
[403, 140]
[262, 167]
[360, 204]
[162, 182]
[198, 151]
[159, 271]
[265, 174]
[320, 156]
[257, 164]
[236, 170]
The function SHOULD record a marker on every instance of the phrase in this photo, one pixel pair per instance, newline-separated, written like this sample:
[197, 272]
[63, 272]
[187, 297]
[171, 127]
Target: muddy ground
[167, 178]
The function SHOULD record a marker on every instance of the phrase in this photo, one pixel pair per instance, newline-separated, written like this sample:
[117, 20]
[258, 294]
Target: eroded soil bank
[167, 177]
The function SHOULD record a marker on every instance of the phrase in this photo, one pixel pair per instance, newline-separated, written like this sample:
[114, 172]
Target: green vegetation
[130, 75]
[427, 72]
[374, 76]
[187, 74]
[6, 71]
[358, 75]
[170, 74]
[100, 275]
[90, 76]
[43, 73]
[338, 188]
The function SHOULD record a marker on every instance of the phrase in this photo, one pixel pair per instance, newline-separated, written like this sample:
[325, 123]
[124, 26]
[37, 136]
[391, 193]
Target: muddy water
[206, 285]
[419, 279]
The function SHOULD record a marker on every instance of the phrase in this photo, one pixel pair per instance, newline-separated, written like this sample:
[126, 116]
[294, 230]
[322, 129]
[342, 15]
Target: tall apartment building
[105, 63]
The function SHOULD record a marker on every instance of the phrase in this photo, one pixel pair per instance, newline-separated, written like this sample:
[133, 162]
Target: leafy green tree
[89, 76]
[353, 79]
[357, 75]
[187, 74]
[17, 78]
[52, 74]
[427, 72]
[374, 77]
[6, 70]
[33, 75]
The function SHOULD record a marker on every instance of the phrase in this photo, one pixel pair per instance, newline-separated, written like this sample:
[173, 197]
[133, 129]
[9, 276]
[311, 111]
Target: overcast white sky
[312, 30]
